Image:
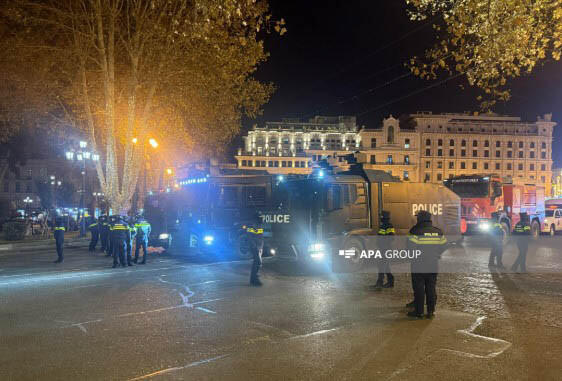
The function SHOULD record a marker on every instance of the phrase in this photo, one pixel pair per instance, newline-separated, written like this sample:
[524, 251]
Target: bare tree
[171, 70]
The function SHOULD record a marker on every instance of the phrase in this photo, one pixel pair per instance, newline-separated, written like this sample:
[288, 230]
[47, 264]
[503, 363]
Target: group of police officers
[116, 234]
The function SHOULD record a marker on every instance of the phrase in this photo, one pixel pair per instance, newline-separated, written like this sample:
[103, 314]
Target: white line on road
[174, 369]
[321, 332]
[205, 310]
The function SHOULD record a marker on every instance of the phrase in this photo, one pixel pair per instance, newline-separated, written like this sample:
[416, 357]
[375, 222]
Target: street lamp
[153, 142]
[27, 201]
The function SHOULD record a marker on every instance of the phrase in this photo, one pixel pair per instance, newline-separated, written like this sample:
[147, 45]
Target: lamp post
[82, 155]
[27, 201]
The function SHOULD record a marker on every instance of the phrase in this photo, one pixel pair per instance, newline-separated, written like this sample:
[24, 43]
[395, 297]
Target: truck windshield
[549, 213]
[470, 189]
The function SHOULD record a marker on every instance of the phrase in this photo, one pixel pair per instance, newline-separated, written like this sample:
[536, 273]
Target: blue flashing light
[280, 178]
[320, 173]
[209, 239]
[194, 181]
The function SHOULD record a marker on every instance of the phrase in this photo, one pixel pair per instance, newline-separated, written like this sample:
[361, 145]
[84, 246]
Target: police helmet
[423, 216]
[524, 217]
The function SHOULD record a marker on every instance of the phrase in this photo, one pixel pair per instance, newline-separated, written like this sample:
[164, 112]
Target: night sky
[346, 57]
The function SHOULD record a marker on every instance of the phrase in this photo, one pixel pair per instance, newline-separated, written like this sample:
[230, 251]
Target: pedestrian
[522, 232]
[132, 234]
[255, 235]
[103, 228]
[59, 238]
[496, 242]
[431, 242]
[110, 248]
[93, 226]
[120, 234]
[384, 242]
[143, 232]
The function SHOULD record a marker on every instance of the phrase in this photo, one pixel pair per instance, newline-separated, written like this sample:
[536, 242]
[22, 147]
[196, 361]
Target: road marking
[174, 369]
[321, 332]
[205, 310]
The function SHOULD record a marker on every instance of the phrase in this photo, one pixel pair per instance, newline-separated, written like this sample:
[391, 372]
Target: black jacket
[431, 242]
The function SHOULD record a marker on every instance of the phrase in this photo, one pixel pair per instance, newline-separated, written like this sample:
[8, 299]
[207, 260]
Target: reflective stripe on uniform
[382, 232]
[92, 225]
[255, 231]
[60, 228]
[390, 230]
[427, 240]
[119, 227]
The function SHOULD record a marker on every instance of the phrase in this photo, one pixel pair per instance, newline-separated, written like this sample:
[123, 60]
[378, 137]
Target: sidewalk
[71, 239]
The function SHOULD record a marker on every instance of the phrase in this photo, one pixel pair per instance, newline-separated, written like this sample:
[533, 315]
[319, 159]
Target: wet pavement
[177, 319]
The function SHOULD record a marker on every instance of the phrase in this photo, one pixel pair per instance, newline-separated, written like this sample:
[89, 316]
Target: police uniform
[93, 226]
[120, 234]
[255, 233]
[496, 242]
[103, 226]
[522, 232]
[110, 239]
[431, 242]
[143, 232]
[386, 233]
[59, 238]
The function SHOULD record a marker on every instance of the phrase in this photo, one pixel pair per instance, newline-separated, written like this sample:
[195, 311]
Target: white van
[553, 221]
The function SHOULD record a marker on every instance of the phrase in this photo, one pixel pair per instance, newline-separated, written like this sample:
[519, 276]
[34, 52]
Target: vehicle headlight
[272, 251]
[484, 226]
[317, 251]
[164, 236]
[208, 239]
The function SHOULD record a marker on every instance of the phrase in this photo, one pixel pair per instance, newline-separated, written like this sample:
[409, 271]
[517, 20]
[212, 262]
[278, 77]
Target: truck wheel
[354, 263]
[552, 231]
[242, 247]
[535, 230]
[505, 228]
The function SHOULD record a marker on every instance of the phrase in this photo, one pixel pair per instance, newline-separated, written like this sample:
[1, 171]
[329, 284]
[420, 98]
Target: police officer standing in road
[132, 234]
[112, 220]
[59, 238]
[386, 235]
[496, 242]
[120, 234]
[93, 226]
[431, 242]
[255, 233]
[522, 232]
[103, 228]
[143, 232]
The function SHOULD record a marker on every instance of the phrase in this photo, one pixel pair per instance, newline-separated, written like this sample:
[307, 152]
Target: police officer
[120, 234]
[522, 231]
[111, 220]
[59, 238]
[143, 232]
[255, 233]
[496, 242]
[132, 234]
[431, 242]
[93, 226]
[386, 234]
[103, 228]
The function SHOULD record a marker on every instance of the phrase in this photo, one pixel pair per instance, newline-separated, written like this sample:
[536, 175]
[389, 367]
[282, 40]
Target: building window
[250, 163]
[463, 152]
[284, 164]
[452, 142]
[439, 164]
[406, 175]
[440, 142]
[543, 155]
[497, 166]
[463, 165]
[451, 152]
[244, 163]
[520, 154]
[509, 166]
[29, 174]
[298, 164]
[475, 143]
[428, 164]
[18, 188]
[509, 154]
[428, 152]
[428, 142]
[389, 159]
[520, 167]
[373, 159]
[290, 164]
[407, 143]
[498, 143]
[509, 144]
[277, 164]
[543, 167]
[406, 159]
[486, 165]
[474, 165]
[532, 167]
[28, 188]
[474, 153]
[373, 142]
[532, 177]
[486, 143]
[543, 145]
[439, 177]
[6, 187]
[532, 154]
[532, 145]
[451, 165]
[486, 153]
[426, 177]
[543, 179]
[498, 153]
[463, 143]
[390, 135]
[520, 144]
[270, 163]
[314, 158]
[439, 152]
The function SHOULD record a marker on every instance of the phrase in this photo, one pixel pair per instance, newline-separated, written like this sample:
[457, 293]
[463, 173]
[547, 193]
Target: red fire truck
[481, 195]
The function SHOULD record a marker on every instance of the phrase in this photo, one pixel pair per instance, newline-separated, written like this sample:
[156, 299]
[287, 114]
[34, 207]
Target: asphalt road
[176, 319]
